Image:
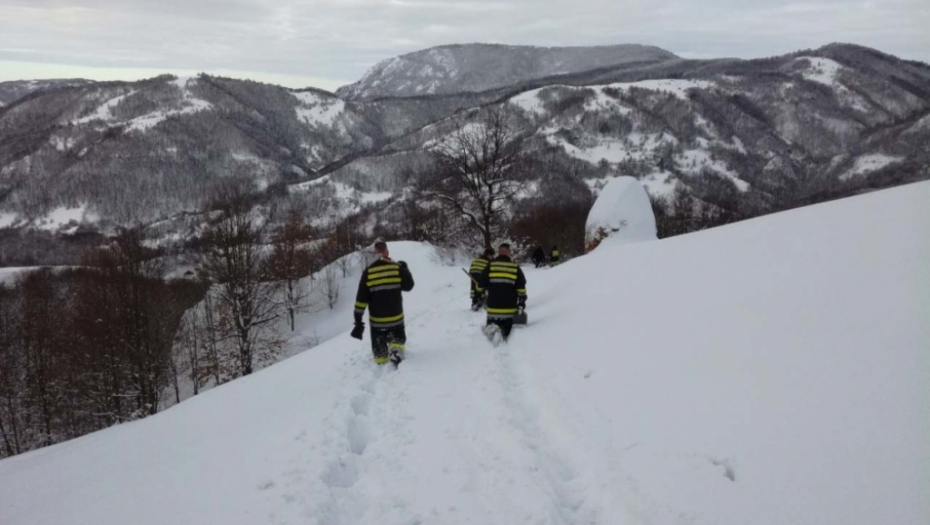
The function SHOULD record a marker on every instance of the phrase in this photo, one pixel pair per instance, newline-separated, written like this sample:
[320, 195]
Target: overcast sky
[327, 43]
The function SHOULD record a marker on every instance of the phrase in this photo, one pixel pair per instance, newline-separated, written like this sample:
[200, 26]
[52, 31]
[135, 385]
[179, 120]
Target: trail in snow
[768, 372]
[417, 444]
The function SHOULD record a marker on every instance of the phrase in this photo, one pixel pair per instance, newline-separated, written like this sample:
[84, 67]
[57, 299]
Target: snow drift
[622, 213]
[768, 372]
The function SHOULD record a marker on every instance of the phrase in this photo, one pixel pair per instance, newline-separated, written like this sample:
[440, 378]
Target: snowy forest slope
[767, 372]
[761, 134]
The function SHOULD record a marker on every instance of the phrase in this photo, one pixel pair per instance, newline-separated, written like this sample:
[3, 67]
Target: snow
[920, 125]
[636, 146]
[868, 163]
[7, 219]
[149, 121]
[61, 143]
[531, 102]
[604, 102]
[695, 161]
[189, 105]
[660, 183]
[738, 144]
[105, 111]
[8, 275]
[822, 70]
[316, 110]
[63, 216]
[677, 87]
[724, 377]
[623, 212]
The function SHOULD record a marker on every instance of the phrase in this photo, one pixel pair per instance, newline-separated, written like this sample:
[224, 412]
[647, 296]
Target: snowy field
[769, 372]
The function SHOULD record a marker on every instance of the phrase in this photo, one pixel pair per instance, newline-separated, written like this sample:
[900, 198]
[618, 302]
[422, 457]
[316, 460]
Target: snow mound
[621, 213]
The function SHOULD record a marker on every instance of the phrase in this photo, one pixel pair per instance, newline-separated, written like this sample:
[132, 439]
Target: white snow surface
[316, 110]
[623, 211]
[868, 163]
[771, 371]
[8, 275]
[660, 183]
[8, 219]
[822, 70]
[531, 102]
[63, 216]
[105, 111]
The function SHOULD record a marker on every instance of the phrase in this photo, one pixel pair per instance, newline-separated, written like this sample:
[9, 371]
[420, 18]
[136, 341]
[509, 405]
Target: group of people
[539, 256]
[497, 282]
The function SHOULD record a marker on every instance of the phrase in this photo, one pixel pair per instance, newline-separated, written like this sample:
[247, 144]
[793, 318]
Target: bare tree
[479, 172]
[330, 286]
[236, 260]
[292, 260]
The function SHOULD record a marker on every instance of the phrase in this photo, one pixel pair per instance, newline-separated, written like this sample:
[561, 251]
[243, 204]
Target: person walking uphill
[380, 291]
[555, 257]
[506, 286]
[539, 257]
[477, 267]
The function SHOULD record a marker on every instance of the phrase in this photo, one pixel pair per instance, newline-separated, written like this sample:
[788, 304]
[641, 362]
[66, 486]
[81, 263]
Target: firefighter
[539, 256]
[380, 291]
[506, 288]
[477, 267]
[555, 257]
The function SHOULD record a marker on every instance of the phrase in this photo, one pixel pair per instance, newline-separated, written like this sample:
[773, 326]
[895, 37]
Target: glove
[521, 303]
[358, 331]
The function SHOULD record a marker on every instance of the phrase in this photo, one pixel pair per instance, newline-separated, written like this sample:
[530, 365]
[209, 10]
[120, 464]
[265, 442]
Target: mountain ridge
[479, 67]
[809, 125]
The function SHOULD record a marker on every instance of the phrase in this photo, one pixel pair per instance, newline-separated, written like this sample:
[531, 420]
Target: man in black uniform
[506, 286]
[539, 257]
[555, 257]
[477, 267]
[380, 291]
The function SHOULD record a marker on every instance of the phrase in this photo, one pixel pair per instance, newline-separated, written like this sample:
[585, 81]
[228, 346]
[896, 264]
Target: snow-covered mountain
[725, 377]
[830, 121]
[17, 89]
[481, 67]
[757, 135]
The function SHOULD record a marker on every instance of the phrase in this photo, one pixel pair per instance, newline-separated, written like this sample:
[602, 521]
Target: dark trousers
[506, 325]
[382, 337]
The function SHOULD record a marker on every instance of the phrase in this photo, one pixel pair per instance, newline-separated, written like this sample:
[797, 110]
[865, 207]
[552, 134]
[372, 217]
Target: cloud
[336, 40]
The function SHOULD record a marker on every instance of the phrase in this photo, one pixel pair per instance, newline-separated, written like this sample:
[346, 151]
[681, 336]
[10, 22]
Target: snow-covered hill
[768, 133]
[480, 67]
[11, 91]
[768, 372]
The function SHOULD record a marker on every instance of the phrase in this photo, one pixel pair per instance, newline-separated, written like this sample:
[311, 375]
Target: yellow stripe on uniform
[381, 360]
[521, 291]
[506, 275]
[361, 305]
[391, 280]
[387, 319]
[502, 310]
[381, 275]
[507, 264]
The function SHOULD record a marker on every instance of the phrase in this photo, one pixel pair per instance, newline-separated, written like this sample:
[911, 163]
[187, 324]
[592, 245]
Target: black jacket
[477, 267]
[506, 285]
[380, 291]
